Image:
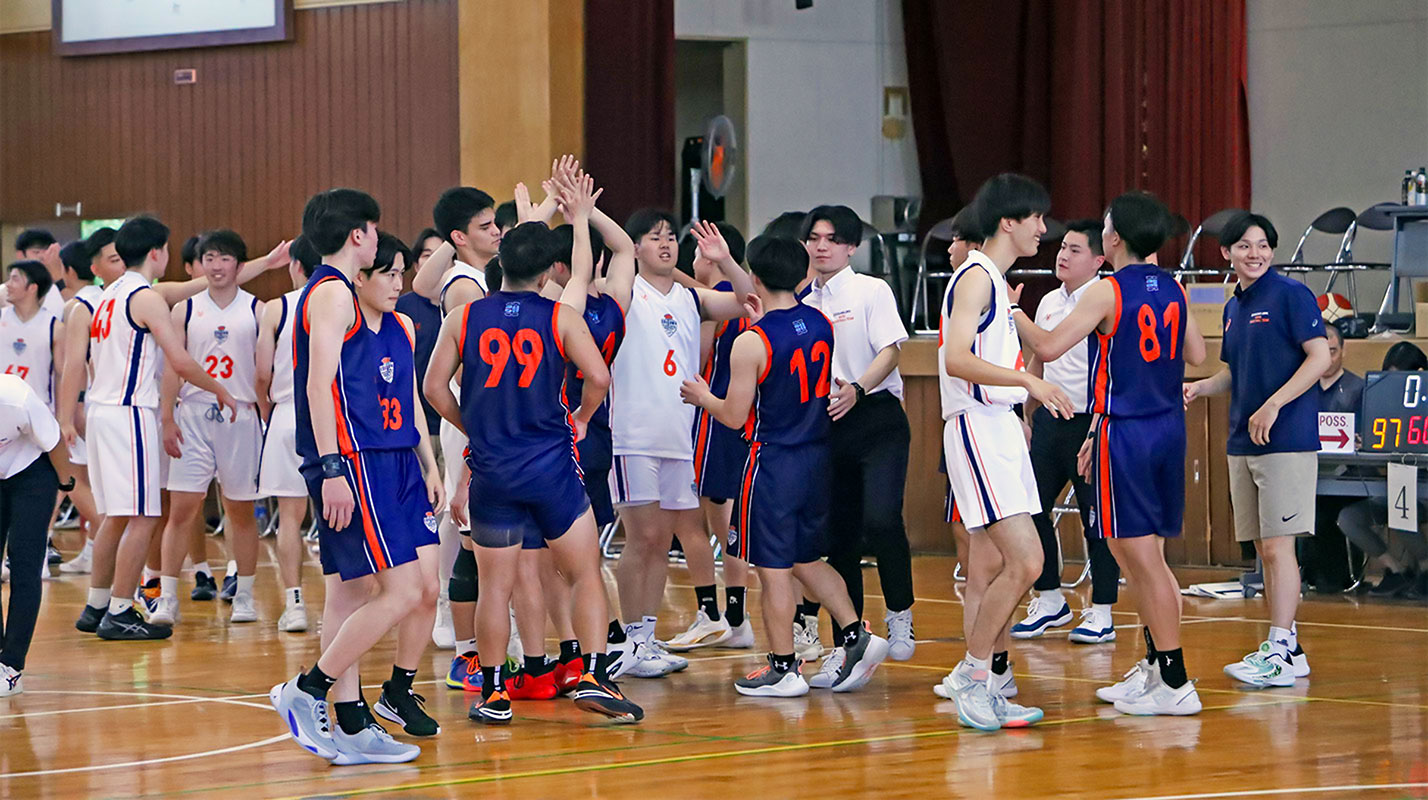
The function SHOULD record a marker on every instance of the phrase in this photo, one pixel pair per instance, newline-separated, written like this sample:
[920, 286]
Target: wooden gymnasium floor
[189, 718]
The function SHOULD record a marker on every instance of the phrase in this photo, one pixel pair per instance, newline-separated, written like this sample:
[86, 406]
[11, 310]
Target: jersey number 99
[496, 348]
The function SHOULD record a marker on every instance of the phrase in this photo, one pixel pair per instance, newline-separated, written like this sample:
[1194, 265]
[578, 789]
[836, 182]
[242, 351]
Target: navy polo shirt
[426, 317]
[1266, 327]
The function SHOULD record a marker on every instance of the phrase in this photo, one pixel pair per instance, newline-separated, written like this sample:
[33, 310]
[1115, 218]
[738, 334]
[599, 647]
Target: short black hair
[565, 244]
[33, 237]
[966, 226]
[1238, 225]
[426, 233]
[735, 239]
[189, 252]
[847, 225]
[37, 274]
[331, 216]
[779, 263]
[138, 237]
[98, 240]
[456, 208]
[388, 248]
[1141, 220]
[527, 251]
[506, 216]
[1404, 356]
[648, 219]
[1092, 229]
[224, 242]
[302, 251]
[1008, 196]
[788, 225]
[75, 256]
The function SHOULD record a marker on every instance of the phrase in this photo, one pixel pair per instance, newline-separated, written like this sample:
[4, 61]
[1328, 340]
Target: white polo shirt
[865, 320]
[27, 428]
[1071, 371]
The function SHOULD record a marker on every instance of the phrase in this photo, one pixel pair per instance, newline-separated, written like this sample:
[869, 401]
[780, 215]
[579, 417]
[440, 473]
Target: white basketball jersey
[26, 350]
[123, 357]
[458, 271]
[281, 388]
[89, 295]
[660, 352]
[996, 342]
[224, 342]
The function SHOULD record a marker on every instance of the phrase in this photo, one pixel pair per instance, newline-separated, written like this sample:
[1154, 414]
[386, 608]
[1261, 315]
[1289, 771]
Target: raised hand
[711, 242]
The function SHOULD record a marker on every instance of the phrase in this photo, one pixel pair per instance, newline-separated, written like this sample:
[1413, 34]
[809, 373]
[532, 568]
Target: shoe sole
[969, 723]
[1090, 638]
[293, 628]
[596, 706]
[275, 699]
[242, 620]
[770, 691]
[1055, 622]
[354, 759]
[1270, 684]
[1128, 710]
[491, 719]
[389, 714]
[166, 633]
[676, 645]
[877, 651]
[461, 687]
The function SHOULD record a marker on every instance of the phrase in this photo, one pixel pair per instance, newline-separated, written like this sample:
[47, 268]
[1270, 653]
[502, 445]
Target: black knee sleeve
[463, 587]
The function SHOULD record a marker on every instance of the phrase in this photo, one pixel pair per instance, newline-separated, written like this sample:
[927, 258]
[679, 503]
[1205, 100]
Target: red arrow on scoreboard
[1342, 439]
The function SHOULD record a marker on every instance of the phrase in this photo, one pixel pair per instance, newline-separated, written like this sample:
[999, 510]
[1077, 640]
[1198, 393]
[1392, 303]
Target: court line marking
[1358, 787]
[148, 761]
[173, 700]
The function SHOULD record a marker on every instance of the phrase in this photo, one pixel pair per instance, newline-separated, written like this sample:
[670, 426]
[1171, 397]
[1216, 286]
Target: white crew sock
[202, 568]
[88, 549]
[647, 627]
[245, 584]
[1104, 608]
[292, 596]
[118, 605]
[149, 575]
[98, 598]
[231, 569]
[1281, 638]
[465, 646]
[1052, 596]
[168, 587]
[982, 664]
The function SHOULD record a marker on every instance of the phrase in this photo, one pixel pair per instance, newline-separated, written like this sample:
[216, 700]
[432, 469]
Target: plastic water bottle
[1407, 186]
[1420, 187]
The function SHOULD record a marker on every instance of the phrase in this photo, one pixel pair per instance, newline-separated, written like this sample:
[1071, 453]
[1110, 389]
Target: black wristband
[67, 486]
[858, 388]
[333, 466]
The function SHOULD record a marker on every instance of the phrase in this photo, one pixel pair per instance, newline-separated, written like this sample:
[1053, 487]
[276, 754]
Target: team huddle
[572, 373]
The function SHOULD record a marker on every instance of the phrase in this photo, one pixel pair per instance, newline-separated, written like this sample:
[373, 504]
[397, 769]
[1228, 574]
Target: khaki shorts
[1273, 495]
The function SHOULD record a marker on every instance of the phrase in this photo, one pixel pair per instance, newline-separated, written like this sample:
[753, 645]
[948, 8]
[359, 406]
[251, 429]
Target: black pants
[869, 447]
[1324, 557]
[1054, 444]
[26, 501]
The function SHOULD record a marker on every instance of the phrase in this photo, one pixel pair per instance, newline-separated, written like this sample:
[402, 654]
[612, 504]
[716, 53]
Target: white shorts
[640, 480]
[278, 474]
[214, 447]
[125, 468]
[989, 466]
[453, 448]
[79, 454]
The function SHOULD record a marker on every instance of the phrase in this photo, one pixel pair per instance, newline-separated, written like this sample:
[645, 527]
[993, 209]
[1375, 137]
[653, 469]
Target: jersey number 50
[1150, 335]
[496, 348]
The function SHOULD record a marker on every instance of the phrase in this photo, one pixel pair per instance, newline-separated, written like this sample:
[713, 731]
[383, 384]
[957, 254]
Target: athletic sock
[202, 568]
[1000, 662]
[98, 598]
[1053, 596]
[292, 596]
[808, 608]
[1149, 645]
[781, 664]
[848, 635]
[1102, 607]
[350, 716]
[149, 575]
[569, 649]
[402, 678]
[489, 681]
[88, 549]
[616, 634]
[231, 569]
[598, 664]
[168, 587]
[734, 605]
[704, 595]
[1172, 667]
[647, 627]
[245, 584]
[979, 664]
[118, 605]
[537, 665]
[1284, 637]
[316, 682]
[465, 647]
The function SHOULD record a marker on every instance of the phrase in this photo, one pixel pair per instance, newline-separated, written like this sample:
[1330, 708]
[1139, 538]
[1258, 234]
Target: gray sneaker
[306, 718]
[828, 671]
[371, 745]
[860, 660]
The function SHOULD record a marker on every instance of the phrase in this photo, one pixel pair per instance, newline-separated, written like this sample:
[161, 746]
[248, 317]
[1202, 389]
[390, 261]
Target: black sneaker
[204, 587]
[230, 588]
[90, 618]
[406, 708]
[129, 626]
[860, 659]
[604, 697]
[53, 556]
[493, 710]
[1391, 584]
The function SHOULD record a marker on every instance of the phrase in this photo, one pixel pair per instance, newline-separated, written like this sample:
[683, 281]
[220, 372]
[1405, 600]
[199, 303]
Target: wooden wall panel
[363, 96]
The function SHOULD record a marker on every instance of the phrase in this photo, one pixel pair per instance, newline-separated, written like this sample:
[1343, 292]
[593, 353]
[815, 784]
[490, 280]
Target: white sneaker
[1042, 613]
[741, 637]
[806, 644]
[703, 632]
[294, 619]
[1095, 627]
[676, 663]
[621, 657]
[828, 672]
[766, 682]
[975, 707]
[442, 634]
[646, 662]
[1131, 685]
[10, 681]
[1300, 662]
[901, 643]
[1159, 699]
[243, 610]
[1003, 685]
[166, 611]
[514, 650]
[80, 564]
[1264, 667]
[1011, 715]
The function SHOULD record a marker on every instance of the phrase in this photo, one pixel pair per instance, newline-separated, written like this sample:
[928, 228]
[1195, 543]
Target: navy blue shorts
[782, 506]
[391, 519]
[1138, 474]
[527, 508]
[596, 452]
[719, 456]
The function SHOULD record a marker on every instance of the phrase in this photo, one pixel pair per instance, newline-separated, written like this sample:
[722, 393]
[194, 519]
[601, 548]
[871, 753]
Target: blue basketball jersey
[513, 368]
[373, 387]
[791, 401]
[606, 321]
[1138, 369]
[716, 371]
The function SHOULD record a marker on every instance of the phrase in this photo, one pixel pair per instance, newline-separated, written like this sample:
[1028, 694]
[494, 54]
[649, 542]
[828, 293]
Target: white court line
[1298, 790]
[148, 761]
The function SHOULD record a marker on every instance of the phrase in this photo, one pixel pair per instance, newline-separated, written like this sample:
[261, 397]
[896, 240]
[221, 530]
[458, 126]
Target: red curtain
[1093, 97]
[629, 102]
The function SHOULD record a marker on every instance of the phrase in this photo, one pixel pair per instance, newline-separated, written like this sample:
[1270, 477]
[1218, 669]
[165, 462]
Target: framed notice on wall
[89, 27]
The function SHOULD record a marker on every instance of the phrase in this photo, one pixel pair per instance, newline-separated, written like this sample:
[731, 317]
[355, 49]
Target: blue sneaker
[306, 718]
[230, 587]
[1042, 613]
[465, 673]
[1095, 627]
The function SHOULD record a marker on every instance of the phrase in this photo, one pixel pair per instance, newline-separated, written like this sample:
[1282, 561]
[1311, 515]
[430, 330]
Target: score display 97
[1395, 412]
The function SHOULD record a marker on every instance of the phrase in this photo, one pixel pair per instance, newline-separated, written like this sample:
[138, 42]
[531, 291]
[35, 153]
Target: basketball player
[220, 328]
[987, 459]
[512, 348]
[279, 473]
[129, 328]
[1143, 337]
[78, 311]
[31, 339]
[653, 476]
[779, 371]
[37, 244]
[371, 472]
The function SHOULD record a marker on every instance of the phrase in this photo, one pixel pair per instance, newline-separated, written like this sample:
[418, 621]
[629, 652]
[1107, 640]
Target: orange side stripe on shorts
[344, 439]
[745, 494]
[1105, 518]
[369, 526]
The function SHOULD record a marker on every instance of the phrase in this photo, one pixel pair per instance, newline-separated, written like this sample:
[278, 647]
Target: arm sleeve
[43, 428]
[884, 325]
[1302, 313]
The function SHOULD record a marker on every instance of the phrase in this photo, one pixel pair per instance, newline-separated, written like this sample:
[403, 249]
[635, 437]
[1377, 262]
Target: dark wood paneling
[363, 96]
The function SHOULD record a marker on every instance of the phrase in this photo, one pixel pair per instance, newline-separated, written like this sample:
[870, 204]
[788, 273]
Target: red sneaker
[525, 686]
[567, 674]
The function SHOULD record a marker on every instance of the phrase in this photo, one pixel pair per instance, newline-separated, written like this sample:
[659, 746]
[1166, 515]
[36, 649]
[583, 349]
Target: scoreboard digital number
[1395, 412]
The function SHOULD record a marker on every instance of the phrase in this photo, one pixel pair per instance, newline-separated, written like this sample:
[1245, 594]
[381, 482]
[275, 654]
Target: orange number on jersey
[1150, 335]
[391, 413]
[16, 369]
[670, 368]
[218, 367]
[607, 351]
[821, 349]
[99, 327]
[527, 348]
[798, 365]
